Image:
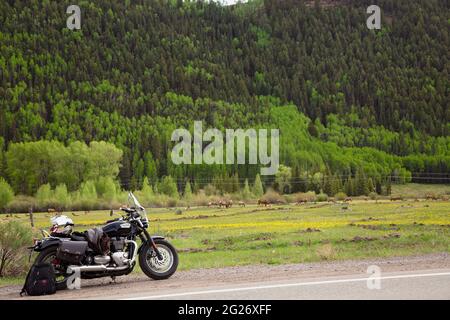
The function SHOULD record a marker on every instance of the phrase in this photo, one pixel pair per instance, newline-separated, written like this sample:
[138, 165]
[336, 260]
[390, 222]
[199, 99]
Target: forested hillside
[349, 102]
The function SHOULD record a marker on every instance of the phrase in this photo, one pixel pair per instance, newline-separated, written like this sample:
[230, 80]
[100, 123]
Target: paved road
[429, 284]
[414, 277]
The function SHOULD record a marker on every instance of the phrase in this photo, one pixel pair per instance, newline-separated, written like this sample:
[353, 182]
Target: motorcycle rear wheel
[48, 255]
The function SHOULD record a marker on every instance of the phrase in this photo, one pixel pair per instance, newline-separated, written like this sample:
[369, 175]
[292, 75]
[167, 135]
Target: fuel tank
[117, 229]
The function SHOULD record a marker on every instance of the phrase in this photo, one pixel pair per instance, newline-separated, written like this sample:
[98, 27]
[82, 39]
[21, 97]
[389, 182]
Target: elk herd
[223, 203]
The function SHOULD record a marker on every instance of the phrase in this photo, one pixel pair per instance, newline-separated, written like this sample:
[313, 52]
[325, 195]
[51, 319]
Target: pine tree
[150, 167]
[246, 193]
[328, 187]
[258, 189]
[388, 187]
[378, 186]
[370, 185]
[187, 191]
[349, 187]
[361, 183]
[235, 183]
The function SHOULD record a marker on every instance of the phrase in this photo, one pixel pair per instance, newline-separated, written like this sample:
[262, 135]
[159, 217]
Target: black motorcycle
[110, 251]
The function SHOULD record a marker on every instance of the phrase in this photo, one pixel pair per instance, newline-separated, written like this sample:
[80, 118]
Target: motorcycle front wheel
[158, 269]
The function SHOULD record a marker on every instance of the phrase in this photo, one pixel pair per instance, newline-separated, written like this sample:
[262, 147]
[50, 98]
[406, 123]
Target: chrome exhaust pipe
[94, 268]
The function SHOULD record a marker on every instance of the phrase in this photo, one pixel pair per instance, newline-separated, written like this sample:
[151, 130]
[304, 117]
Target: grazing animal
[212, 204]
[301, 201]
[348, 199]
[242, 204]
[263, 202]
[225, 203]
[431, 197]
[51, 210]
[396, 198]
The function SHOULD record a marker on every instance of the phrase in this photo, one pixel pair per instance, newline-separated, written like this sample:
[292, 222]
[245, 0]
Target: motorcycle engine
[120, 258]
[118, 255]
[117, 244]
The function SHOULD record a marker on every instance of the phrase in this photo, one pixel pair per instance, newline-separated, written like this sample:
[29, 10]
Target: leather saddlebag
[72, 252]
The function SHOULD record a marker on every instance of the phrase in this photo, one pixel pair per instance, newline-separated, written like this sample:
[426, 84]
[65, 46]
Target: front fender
[153, 238]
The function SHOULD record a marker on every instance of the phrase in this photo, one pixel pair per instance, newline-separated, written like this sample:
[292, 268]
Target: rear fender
[44, 244]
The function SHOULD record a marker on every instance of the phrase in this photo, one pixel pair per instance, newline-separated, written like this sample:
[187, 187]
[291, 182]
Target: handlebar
[131, 212]
[127, 210]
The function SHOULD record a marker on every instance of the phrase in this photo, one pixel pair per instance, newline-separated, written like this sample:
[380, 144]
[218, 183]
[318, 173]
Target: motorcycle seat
[78, 236]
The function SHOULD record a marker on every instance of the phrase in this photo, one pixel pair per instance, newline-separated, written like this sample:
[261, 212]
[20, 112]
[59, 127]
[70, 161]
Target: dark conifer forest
[352, 104]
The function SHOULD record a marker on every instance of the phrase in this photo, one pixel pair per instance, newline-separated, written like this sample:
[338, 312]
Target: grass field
[212, 237]
[416, 190]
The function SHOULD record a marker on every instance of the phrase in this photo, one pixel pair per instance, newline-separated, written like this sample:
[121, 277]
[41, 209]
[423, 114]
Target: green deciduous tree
[44, 195]
[6, 194]
[283, 179]
[168, 187]
[61, 196]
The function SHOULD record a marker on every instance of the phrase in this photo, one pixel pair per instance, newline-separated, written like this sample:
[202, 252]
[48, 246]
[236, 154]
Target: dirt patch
[263, 237]
[195, 250]
[359, 239]
[367, 238]
[188, 218]
[271, 209]
[369, 219]
[374, 227]
[310, 230]
[318, 206]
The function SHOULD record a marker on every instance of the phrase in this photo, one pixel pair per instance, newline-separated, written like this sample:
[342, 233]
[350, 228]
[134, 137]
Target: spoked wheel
[48, 255]
[154, 267]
